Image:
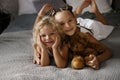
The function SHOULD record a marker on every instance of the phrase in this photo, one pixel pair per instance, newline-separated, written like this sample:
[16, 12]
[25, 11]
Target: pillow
[55, 3]
[26, 7]
[33, 6]
[103, 5]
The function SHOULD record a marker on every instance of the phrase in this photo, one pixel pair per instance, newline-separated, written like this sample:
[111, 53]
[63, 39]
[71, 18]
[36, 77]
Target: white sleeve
[85, 22]
[100, 31]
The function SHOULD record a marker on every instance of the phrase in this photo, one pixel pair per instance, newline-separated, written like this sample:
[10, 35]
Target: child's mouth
[49, 43]
[69, 30]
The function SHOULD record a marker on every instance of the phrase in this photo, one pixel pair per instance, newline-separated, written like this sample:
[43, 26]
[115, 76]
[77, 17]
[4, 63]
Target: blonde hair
[46, 20]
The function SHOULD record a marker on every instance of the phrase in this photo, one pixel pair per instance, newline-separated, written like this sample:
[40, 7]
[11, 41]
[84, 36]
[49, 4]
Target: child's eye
[52, 33]
[62, 24]
[70, 20]
[43, 35]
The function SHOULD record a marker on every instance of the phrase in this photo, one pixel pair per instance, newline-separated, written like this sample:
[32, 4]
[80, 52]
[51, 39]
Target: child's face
[67, 21]
[48, 35]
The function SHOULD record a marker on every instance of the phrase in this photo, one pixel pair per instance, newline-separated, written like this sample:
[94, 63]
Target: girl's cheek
[55, 36]
[42, 39]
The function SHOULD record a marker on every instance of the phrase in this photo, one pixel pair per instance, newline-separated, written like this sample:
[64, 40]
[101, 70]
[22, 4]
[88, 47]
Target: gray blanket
[16, 55]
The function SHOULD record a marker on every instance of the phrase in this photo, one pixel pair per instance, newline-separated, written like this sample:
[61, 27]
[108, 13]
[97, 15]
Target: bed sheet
[16, 55]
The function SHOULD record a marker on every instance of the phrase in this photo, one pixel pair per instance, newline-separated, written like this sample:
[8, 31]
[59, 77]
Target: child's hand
[57, 42]
[92, 61]
[36, 59]
[41, 45]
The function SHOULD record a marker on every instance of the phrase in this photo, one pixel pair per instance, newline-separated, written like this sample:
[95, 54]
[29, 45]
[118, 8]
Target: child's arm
[94, 61]
[44, 59]
[41, 56]
[43, 11]
[103, 56]
[60, 53]
[61, 57]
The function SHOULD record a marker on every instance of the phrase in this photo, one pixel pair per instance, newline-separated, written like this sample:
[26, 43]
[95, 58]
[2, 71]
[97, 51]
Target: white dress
[99, 30]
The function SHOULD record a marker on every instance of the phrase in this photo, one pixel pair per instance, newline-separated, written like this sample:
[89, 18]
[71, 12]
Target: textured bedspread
[16, 56]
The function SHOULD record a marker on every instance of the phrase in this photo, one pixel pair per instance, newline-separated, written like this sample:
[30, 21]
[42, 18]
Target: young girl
[81, 42]
[48, 45]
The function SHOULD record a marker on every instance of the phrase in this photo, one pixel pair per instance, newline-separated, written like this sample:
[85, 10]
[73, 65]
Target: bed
[16, 54]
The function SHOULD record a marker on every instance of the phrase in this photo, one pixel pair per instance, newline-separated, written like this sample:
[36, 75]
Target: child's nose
[47, 37]
[67, 25]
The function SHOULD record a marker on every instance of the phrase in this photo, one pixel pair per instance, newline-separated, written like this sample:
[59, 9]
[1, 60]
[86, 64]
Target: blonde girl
[48, 45]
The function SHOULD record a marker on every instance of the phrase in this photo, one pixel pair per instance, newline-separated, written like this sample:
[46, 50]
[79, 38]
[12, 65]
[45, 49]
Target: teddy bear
[81, 49]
